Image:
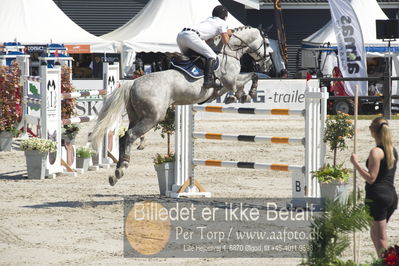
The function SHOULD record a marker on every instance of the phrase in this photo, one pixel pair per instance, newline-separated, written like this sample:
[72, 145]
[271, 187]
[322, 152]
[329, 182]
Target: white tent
[42, 22]
[367, 11]
[155, 28]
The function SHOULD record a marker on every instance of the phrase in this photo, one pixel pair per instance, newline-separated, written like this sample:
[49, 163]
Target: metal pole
[355, 257]
[388, 87]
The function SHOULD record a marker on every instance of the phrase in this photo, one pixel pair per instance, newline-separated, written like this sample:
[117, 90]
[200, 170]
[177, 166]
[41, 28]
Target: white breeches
[190, 40]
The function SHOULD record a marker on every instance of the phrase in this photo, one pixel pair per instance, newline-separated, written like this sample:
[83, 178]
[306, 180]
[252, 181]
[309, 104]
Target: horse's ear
[260, 27]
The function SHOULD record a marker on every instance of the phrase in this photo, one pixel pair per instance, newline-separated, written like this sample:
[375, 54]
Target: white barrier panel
[50, 89]
[110, 148]
[42, 107]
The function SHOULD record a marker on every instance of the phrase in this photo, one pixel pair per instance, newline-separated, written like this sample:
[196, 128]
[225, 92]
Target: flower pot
[5, 141]
[166, 175]
[334, 191]
[36, 164]
[82, 163]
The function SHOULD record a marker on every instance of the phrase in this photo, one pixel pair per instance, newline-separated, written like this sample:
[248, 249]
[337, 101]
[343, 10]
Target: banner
[351, 52]
[78, 48]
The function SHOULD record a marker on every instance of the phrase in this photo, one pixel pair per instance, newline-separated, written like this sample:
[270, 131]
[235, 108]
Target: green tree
[338, 128]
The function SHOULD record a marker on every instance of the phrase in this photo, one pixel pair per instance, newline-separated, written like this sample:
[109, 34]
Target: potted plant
[10, 104]
[331, 232]
[165, 164]
[36, 152]
[83, 156]
[334, 178]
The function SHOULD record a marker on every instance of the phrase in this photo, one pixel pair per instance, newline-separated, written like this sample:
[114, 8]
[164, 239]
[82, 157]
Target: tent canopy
[367, 11]
[155, 28]
[42, 22]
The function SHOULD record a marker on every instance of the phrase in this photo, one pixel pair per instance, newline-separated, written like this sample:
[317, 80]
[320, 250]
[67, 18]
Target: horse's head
[255, 43]
[247, 40]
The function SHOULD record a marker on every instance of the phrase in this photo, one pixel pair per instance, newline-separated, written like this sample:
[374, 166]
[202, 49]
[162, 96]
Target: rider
[194, 38]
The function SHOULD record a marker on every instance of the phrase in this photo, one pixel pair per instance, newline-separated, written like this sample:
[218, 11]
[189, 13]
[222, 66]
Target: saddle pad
[191, 69]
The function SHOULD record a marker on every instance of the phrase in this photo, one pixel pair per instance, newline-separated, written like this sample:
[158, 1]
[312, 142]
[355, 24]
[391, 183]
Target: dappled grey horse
[147, 98]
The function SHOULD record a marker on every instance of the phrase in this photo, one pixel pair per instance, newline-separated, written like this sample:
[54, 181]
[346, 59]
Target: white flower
[38, 144]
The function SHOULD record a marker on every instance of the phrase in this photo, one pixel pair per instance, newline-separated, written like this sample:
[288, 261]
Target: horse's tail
[112, 109]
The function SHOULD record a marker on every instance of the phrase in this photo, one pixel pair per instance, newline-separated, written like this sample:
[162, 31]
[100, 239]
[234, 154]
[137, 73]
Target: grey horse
[147, 98]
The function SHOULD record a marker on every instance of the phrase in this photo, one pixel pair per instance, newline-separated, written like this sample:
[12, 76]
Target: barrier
[47, 117]
[44, 110]
[304, 186]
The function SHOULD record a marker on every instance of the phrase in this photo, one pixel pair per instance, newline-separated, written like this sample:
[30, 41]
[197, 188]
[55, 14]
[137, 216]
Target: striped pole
[32, 78]
[248, 138]
[249, 165]
[248, 111]
[79, 119]
[74, 95]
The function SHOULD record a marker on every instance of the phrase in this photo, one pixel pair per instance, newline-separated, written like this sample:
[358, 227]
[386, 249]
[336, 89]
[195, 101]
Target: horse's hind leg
[135, 131]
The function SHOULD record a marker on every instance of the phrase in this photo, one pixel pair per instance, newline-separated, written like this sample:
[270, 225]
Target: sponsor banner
[351, 52]
[91, 105]
[78, 48]
[271, 94]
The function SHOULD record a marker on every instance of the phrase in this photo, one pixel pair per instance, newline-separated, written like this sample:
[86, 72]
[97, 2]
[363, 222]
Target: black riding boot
[208, 73]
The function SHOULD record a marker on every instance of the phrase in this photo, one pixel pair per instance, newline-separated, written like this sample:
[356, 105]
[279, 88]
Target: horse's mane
[219, 37]
[216, 43]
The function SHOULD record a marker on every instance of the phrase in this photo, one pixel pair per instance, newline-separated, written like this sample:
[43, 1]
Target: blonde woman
[381, 196]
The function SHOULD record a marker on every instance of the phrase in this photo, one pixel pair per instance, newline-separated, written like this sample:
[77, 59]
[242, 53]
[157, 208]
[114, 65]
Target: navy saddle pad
[191, 68]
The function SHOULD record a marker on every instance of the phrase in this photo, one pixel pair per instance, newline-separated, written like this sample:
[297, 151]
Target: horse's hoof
[245, 99]
[118, 173]
[140, 148]
[112, 180]
[253, 95]
[230, 99]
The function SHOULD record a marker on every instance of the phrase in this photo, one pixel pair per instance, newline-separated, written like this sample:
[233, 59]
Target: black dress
[381, 196]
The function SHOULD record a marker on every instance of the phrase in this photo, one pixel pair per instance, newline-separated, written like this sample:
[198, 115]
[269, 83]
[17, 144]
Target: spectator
[381, 196]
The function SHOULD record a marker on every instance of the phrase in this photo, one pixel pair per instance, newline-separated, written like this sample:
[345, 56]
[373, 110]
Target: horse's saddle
[192, 64]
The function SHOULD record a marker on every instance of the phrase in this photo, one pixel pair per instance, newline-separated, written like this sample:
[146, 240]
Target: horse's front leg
[243, 79]
[142, 143]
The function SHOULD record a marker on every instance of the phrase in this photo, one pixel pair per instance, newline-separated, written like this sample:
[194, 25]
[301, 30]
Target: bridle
[253, 50]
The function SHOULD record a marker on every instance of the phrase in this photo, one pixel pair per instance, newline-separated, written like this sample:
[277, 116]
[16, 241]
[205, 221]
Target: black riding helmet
[220, 12]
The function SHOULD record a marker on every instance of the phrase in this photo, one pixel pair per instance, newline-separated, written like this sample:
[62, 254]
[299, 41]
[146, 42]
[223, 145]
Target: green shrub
[328, 174]
[38, 144]
[83, 152]
[160, 159]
